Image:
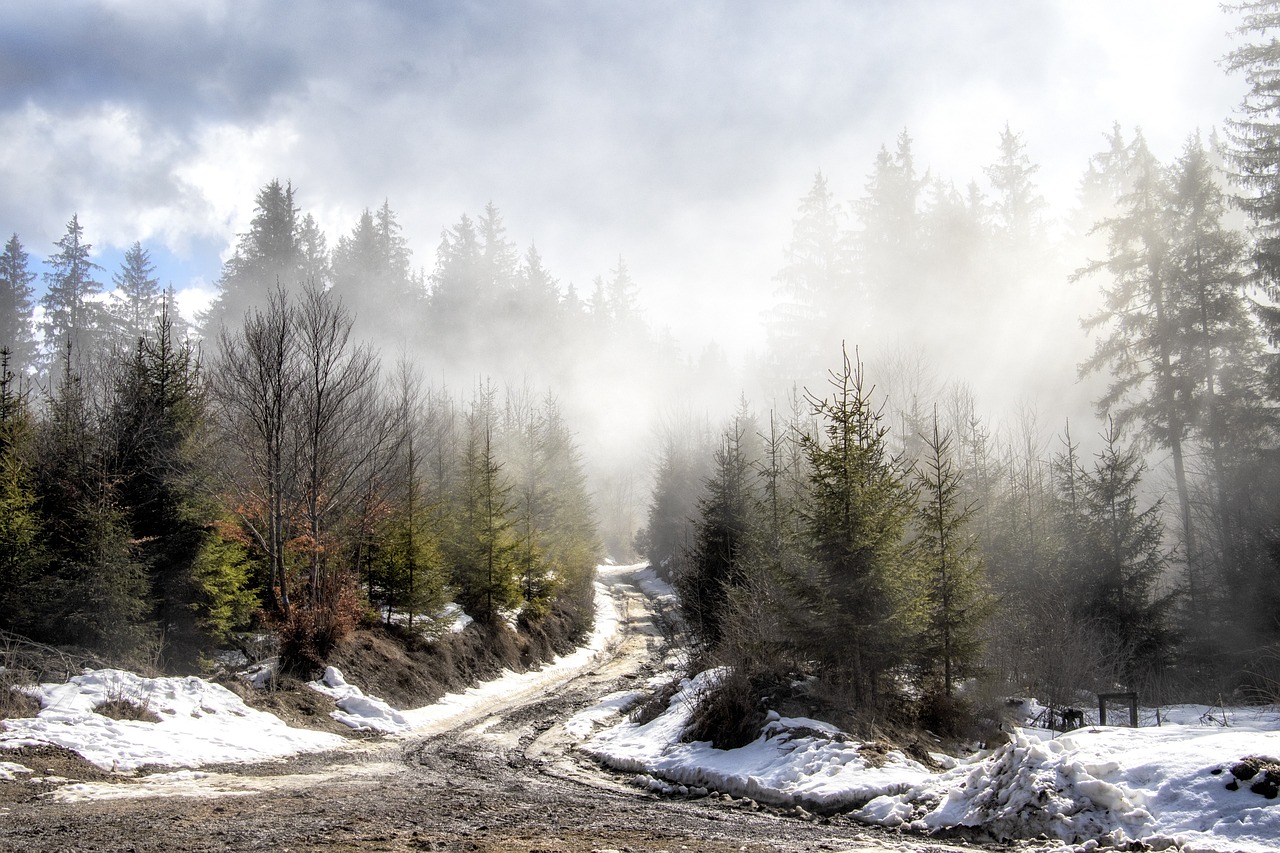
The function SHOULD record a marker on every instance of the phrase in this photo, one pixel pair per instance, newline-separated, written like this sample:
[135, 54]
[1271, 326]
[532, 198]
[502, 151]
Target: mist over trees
[352, 432]
[899, 543]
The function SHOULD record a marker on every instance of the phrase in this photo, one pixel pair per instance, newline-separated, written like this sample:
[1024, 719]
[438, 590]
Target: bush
[728, 714]
[310, 632]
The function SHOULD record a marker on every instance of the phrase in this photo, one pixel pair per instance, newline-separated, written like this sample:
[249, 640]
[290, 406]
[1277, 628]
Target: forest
[344, 437]
[875, 528]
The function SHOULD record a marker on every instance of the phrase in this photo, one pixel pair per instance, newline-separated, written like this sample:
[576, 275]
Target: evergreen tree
[372, 278]
[954, 594]
[314, 268]
[71, 316]
[678, 482]
[22, 557]
[269, 256]
[858, 507]
[888, 235]
[815, 281]
[16, 307]
[1255, 138]
[138, 296]
[482, 550]
[157, 425]
[713, 566]
[570, 542]
[97, 594]
[1144, 336]
[1126, 556]
[1017, 207]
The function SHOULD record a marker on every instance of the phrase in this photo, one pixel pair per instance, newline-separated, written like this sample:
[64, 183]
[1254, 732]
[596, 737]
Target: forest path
[500, 776]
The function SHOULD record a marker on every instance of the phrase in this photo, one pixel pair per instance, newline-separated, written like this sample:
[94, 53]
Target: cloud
[678, 134]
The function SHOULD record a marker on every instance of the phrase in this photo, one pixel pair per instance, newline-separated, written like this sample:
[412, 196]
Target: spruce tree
[813, 284]
[16, 333]
[269, 256]
[726, 514]
[138, 297]
[858, 506]
[482, 549]
[22, 553]
[954, 592]
[97, 595]
[72, 319]
[1126, 557]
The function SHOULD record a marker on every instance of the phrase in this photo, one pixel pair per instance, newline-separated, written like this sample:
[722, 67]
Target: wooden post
[1131, 698]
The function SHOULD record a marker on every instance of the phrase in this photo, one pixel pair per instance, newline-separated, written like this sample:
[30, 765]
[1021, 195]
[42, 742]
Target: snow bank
[1164, 787]
[1161, 786]
[204, 723]
[795, 761]
[355, 709]
[200, 723]
[511, 683]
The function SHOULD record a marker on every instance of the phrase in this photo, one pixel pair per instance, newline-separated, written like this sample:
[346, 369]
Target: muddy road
[500, 777]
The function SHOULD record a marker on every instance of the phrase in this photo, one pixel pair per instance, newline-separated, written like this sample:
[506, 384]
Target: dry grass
[122, 708]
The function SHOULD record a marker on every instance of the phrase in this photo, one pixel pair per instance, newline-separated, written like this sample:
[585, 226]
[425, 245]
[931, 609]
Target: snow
[203, 723]
[200, 723]
[795, 761]
[1162, 786]
[9, 771]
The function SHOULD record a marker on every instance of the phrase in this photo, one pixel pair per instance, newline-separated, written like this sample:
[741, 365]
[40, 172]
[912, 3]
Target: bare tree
[342, 430]
[255, 385]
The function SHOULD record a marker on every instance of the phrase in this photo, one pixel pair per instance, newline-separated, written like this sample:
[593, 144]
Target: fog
[678, 138]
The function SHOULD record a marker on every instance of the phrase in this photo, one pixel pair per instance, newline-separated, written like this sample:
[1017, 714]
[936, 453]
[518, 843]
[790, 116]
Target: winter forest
[353, 434]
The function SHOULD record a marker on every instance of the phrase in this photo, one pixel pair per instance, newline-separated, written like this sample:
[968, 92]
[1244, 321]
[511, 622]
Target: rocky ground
[505, 778]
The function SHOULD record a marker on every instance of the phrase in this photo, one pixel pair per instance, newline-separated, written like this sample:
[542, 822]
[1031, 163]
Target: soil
[503, 777]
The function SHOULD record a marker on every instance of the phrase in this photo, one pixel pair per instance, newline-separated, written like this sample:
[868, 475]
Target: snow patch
[200, 723]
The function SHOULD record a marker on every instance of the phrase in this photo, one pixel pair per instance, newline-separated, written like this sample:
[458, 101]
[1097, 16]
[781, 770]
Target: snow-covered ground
[1165, 786]
[204, 723]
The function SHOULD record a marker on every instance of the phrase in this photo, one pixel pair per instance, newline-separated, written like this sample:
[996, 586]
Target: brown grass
[122, 708]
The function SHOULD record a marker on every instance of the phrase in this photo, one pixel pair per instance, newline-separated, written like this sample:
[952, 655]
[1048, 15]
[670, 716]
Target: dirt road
[502, 776]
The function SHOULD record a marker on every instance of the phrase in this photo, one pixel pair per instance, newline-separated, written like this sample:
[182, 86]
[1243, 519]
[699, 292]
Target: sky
[678, 135]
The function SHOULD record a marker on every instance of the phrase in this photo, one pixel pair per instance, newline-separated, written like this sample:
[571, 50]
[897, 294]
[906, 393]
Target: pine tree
[813, 285]
[888, 236]
[1144, 336]
[372, 278]
[156, 425]
[269, 256]
[138, 296]
[1255, 138]
[71, 316]
[16, 307]
[858, 507]
[570, 541]
[954, 595]
[726, 514]
[1017, 207]
[22, 555]
[97, 594]
[1126, 556]
[482, 550]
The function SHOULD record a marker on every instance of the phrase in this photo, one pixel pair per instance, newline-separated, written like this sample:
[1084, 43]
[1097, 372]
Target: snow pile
[1161, 786]
[795, 761]
[355, 709]
[200, 723]
[9, 771]
[1184, 785]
